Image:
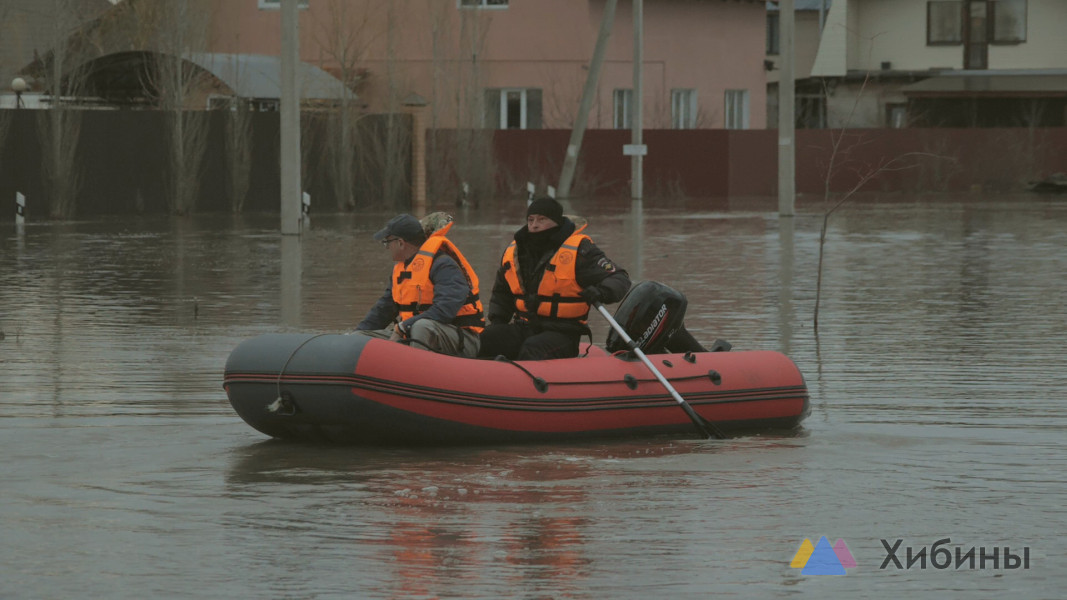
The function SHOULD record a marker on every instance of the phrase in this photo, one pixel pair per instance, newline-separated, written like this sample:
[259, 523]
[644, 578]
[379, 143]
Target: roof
[991, 84]
[259, 76]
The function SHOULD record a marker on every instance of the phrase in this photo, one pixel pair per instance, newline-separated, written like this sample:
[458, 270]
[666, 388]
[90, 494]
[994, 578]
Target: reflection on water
[291, 279]
[937, 381]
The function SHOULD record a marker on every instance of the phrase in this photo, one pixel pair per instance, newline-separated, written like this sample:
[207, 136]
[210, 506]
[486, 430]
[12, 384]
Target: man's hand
[590, 294]
[403, 329]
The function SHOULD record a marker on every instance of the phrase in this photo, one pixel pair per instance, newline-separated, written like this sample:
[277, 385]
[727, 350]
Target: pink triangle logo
[843, 554]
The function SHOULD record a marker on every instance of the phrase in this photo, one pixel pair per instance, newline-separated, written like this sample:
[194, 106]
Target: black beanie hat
[546, 207]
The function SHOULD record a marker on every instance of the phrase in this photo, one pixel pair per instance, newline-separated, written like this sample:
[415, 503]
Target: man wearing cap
[548, 277]
[432, 297]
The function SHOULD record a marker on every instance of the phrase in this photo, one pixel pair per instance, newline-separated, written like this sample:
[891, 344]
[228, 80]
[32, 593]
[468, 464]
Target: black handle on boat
[706, 428]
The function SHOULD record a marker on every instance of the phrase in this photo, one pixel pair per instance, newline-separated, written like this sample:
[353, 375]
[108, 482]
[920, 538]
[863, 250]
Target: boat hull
[353, 389]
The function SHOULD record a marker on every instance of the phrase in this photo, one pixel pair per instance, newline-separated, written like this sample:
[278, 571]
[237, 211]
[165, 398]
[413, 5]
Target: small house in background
[928, 63]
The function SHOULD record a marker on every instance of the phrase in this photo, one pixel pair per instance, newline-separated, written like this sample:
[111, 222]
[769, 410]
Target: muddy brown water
[937, 379]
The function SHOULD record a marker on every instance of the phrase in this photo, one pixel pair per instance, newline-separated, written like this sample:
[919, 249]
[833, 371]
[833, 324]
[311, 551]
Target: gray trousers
[437, 337]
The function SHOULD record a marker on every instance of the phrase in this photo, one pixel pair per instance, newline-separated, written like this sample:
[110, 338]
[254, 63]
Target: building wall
[450, 55]
[805, 46]
[1046, 44]
[895, 31]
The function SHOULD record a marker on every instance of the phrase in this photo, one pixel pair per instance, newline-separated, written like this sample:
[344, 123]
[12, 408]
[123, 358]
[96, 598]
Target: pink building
[522, 64]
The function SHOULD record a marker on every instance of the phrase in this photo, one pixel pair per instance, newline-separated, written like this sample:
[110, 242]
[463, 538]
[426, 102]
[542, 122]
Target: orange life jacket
[413, 290]
[557, 294]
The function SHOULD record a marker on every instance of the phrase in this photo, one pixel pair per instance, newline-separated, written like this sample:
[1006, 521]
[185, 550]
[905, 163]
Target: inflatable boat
[354, 389]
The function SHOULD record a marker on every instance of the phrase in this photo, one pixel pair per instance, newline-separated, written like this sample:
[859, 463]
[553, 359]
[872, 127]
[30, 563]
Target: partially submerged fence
[123, 167]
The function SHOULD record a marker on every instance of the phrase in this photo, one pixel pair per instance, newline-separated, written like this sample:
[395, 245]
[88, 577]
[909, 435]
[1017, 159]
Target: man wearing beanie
[432, 297]
[548, 277]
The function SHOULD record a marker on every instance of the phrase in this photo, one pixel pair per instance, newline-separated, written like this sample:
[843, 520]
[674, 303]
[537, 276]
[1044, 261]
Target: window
[810, 110]
[623, 111]
[683, 109]
[277, 4]
[944, 23]
[896, 115]
[736, 109]
[483, 3]
[772, 33]
[513, 108]
[1009, 21]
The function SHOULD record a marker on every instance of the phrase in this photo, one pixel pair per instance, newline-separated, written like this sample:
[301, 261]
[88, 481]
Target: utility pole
[787, 150]
[290, 121]
[637, 145]
[570, 161]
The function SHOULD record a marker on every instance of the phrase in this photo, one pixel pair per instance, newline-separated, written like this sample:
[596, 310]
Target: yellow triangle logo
[803, 554]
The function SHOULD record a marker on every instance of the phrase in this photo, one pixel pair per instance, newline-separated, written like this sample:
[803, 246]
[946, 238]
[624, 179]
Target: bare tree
[60, 125]
[238, 152]
[398, 130]
[864, 174]
[179, 29]
[470, 159]
[344, 39]
[5, 116]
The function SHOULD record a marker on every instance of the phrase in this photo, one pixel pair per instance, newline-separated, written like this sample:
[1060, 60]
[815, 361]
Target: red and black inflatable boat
[354, 389]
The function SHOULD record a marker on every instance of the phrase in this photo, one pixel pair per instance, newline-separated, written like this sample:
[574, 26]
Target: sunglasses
[387, 242]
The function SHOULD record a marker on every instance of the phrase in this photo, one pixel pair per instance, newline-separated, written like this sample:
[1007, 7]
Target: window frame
[774, 32]
[737, 115]
[686, 97]
[523, 106]
[277, 4]
[626, 119]
[482, 4]
[893, 110]
[960, 5]
[993, 36]
[530, 107]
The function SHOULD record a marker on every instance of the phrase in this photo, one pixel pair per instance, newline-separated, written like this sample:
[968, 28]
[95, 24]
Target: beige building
[809, 20]
[961, 63]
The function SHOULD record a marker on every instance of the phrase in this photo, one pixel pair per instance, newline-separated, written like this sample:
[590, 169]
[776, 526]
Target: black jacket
[592, 269]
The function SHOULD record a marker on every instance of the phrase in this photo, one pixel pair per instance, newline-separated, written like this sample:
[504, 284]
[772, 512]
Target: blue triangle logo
[823, 560]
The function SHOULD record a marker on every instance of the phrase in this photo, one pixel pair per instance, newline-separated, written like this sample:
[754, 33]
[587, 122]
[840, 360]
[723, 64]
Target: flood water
[937, 378]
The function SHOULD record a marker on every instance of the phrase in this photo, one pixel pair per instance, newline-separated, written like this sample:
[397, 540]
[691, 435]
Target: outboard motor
[652, 315]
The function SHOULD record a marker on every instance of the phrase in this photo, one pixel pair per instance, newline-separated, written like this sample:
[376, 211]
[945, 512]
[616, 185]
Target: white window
[513, 108]
[623, 111]
[483, 3]
[277, 4]
[683, 109]
[737, 109]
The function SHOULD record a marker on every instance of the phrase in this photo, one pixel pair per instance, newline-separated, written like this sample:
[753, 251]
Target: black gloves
[591, 294]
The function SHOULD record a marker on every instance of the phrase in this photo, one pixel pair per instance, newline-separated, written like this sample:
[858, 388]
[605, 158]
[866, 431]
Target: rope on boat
[285, 404]
[540, 384]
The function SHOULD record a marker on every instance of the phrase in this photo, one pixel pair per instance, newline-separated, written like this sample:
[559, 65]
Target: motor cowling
[652, 314]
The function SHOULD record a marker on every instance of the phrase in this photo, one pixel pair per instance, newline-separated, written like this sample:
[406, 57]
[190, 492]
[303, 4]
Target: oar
[706, 428]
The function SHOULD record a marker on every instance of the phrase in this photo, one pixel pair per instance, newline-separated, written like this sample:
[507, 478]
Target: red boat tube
[354, 389]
